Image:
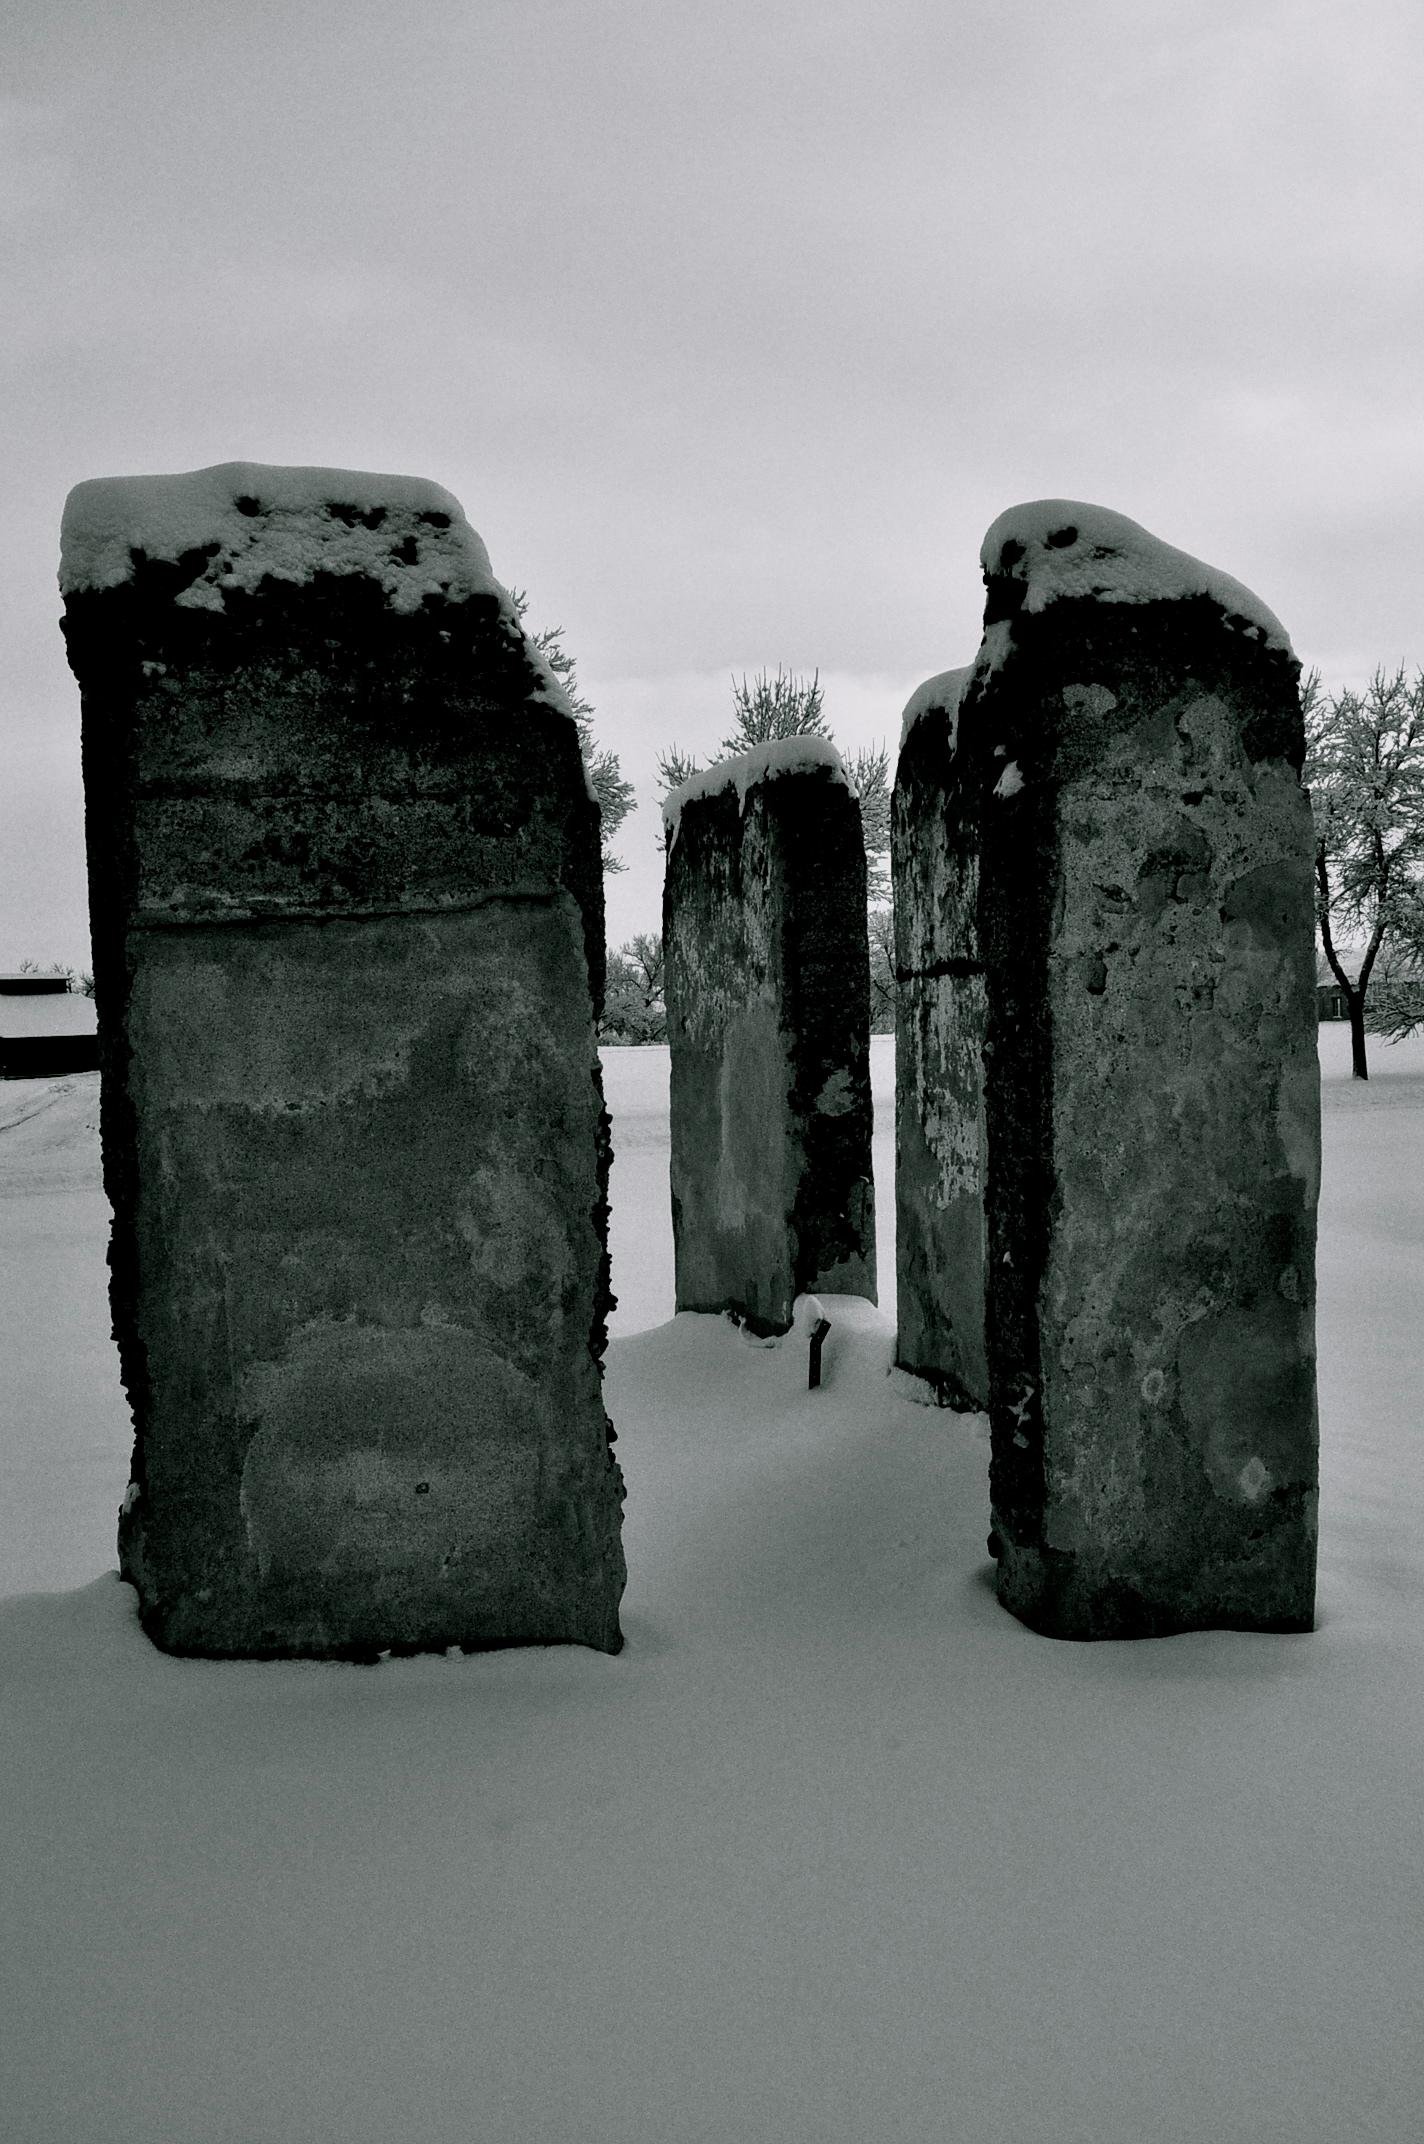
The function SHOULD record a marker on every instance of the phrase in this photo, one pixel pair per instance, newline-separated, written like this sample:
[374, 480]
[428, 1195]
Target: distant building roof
[1400, 964]
[56, 1012]
[27, 984]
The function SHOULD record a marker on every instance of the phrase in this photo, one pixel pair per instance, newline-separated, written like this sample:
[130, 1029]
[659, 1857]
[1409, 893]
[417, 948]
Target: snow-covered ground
[834, 1850]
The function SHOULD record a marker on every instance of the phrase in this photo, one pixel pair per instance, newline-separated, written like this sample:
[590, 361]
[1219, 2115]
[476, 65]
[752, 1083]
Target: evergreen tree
[615, 796]
[767, 708]
[771, 707]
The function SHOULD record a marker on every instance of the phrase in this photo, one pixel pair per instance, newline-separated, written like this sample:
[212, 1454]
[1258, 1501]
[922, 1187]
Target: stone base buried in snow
[803, 1859]
[1129, 853]
[358, 1278]
[768, 1023]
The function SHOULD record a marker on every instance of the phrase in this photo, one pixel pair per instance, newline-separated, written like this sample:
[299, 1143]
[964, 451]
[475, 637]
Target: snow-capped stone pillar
[348, 941]
[939, 1038]
[768, 1002]
[1133, 733]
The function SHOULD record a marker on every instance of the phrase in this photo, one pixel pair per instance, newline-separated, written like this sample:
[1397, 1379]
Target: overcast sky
[732, 325]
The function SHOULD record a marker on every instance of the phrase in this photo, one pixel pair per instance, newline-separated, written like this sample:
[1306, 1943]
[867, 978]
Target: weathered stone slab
[939, 1039]
[1151, 1089]
[768, 1001]
[347, 923]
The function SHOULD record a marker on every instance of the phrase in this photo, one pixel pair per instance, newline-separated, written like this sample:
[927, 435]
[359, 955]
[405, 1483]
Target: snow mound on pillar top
[764, 763]
[937, 695]
[1061, 548]
[253, 521]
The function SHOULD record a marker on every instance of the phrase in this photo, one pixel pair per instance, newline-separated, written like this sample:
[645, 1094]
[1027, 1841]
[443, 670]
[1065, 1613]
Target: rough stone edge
[105, 631]
[1034, 641]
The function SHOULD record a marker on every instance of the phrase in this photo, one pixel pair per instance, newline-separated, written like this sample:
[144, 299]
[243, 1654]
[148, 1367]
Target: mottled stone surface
[767, 973]
[1152, 1112]
[939, 1037]
[347, 924]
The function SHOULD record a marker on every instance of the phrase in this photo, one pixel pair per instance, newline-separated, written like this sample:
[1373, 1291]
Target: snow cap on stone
[764, 763]
[255, 521]
[252, 521]
[1060, 548]
[937, 695]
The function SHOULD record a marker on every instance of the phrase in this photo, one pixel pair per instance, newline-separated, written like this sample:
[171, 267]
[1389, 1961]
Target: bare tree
[869, 770]
[634, 1009]
[1396, 1003]
[615, 796]
[1364, 766]
[80, 981]
[882, 970]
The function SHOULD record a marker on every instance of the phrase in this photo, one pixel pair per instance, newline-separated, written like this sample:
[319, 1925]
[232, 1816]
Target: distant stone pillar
[939, 1040]
[1133, 730]
[768, 1002]
[347, 924]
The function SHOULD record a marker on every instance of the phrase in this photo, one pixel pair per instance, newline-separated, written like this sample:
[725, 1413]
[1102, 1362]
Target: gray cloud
[733, 328]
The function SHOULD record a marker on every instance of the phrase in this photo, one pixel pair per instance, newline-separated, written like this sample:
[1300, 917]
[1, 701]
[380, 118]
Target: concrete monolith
[347, 929]
[1133, 736]
[767, 973]
[939, 1039]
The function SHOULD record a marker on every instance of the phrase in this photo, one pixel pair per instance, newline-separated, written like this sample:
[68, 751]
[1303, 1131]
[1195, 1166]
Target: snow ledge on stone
[764, 763]
[257, 520]
[1062, 548]
[937, 695]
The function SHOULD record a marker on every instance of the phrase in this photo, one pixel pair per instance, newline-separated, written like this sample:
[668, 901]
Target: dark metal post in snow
[818, 1338]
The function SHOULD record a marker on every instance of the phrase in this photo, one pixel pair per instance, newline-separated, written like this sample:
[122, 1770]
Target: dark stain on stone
[950, 965]
[1259, 905]
[1177, 870]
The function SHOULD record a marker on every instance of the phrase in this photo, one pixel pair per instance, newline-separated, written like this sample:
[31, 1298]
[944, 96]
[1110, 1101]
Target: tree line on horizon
[1364, 770]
